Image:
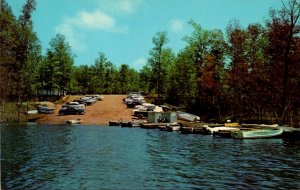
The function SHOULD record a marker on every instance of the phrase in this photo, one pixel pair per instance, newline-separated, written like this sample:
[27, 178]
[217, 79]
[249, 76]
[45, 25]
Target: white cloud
[176, 25]
[93, 20]
[74, 27]
[139, 63]
[97, 20]
[127, 6]
[120, 6]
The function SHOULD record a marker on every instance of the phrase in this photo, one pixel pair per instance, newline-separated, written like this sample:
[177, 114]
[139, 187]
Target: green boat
[257, 133]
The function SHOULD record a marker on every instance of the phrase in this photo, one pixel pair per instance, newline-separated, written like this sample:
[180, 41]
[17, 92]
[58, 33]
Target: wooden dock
[158, 125]
[291, 132]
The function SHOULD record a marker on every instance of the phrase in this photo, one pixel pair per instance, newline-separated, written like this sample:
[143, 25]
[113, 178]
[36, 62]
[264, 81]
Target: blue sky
[123, 29]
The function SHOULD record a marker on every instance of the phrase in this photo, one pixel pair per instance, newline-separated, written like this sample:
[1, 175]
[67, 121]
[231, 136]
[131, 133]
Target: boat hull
[256, 134]
[74, 121]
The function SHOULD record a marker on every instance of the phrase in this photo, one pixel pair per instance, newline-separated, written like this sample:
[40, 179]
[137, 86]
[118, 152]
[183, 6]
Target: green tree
[98, 78]
[124, 78]
[8, 31]
[56, 69]
[20, 51]
[182, 80]
[27, 49]
[208, 49]
[63, 60]
[82, 76]
[20, 54]
[145, 78]
[111, 75]
[156, 61]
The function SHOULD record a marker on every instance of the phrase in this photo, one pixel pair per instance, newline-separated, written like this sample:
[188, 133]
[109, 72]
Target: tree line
[248, 73]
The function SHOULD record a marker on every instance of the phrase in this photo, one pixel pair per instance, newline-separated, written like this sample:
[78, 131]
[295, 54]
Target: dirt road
[100, 113]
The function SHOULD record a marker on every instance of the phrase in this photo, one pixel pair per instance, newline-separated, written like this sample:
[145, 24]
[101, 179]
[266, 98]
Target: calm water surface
[89, 157]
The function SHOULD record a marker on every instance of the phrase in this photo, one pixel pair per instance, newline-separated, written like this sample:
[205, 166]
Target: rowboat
[114, 123]
[260, 126]
[232, 125]
[45, 110]
[130, 124]
[31, 112]
[74, 121]
[173, 127]
[257, 133]
[212, 130]
[187, 116]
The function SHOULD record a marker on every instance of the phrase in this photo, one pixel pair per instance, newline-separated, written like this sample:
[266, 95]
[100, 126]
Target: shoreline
[111, 108]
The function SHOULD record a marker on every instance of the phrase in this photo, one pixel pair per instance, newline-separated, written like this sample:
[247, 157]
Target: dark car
[71, 110]
[81, 101]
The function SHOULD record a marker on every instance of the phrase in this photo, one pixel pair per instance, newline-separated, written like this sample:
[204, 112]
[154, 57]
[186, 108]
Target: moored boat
[232, 125]
[114, 123]
[30, 112]
[74, 121]
[260, 126]
[130, 124]
[173, 127]
[222, 133]
[256, 133]
[212, 130]
[45, 109]
[187, 116]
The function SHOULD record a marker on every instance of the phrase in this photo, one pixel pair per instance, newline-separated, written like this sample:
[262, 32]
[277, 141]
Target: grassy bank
[13, 112]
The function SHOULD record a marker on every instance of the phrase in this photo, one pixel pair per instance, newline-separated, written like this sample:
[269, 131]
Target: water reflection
[89, 157]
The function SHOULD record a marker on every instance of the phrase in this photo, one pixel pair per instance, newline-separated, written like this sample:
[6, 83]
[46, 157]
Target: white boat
[45, 109]
[30, 112]
[212, 130]
[261, 126]
[187, 116]
[173, 127]
[74, 121]
[257, 133]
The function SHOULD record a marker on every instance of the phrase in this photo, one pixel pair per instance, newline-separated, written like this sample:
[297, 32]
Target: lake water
[89, 157]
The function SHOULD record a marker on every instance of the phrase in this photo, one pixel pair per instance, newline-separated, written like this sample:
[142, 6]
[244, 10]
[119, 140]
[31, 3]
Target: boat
[215, 130]
[45, 109]
[114, 123]
[74, 121]
[173, 127]
[187, 116]
[130, 123]
[256, 133]
[31, 112]
[260, 126]
[222, 133]
[232, 125]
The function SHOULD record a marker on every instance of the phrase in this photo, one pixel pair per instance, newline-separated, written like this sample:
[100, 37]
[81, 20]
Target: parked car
[74, 104]
[80, 101]
[71, 110]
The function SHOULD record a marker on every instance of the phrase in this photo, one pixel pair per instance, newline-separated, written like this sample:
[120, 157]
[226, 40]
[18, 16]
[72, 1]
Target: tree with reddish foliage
[237, 71]
[259, 95]
[283, 33]
[207, 49]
